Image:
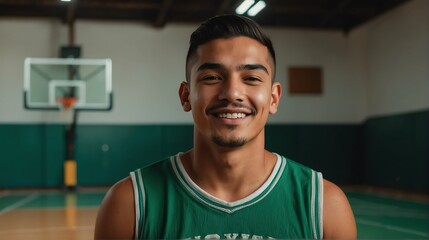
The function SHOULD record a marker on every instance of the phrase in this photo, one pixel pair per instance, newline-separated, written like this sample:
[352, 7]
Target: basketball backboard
[49, 80]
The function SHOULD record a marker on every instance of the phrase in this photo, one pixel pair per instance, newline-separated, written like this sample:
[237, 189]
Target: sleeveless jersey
[169, 205]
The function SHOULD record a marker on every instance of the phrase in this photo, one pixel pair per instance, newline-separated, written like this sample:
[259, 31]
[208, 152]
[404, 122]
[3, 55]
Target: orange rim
[67, 102]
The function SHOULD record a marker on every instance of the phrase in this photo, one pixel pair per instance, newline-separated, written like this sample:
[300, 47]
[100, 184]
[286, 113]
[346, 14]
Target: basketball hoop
[66, 103]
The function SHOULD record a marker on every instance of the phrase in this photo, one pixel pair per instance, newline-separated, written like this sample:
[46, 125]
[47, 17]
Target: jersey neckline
[222, 205]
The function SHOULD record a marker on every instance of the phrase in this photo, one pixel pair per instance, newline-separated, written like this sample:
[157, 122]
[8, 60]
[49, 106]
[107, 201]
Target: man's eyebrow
[206, 66]
[253, 67]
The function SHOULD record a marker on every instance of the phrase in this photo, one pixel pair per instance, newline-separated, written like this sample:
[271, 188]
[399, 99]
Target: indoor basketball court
[71, 215]
[88, 93]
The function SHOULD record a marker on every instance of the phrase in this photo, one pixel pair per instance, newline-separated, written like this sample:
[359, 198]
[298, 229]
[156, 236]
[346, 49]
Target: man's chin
[229, 143]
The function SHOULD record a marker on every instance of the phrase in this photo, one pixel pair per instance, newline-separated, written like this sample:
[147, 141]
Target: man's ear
[184, 96]
[276, 93]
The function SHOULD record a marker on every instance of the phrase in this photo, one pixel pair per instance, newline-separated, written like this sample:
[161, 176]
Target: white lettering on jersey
[233, 236]
[212, 236]
[257, 237]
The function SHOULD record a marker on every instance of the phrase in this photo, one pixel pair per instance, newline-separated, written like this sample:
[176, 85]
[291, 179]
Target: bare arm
[338, 219]
[116, 216]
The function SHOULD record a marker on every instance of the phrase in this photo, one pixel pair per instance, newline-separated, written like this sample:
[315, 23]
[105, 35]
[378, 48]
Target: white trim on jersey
[140, 181]
[136, 203]
[138, 184]
[192, 187]
[320, 178]
[317, 221]
[182, 181]
[313, 203]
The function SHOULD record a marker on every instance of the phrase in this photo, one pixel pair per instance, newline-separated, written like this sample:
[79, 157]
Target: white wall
[343, 98]
[379, 68]
[18, 40]
[148, 65]
[398, 60]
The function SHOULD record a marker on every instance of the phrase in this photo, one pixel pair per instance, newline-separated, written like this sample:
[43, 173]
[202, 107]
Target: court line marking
[61, 207]
[44, 229]
[400, 214]
[357, 201]
[19, 203]
[399, 229]
[368, 208]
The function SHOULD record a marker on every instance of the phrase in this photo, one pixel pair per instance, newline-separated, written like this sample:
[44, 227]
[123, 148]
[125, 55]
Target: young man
[227, 185]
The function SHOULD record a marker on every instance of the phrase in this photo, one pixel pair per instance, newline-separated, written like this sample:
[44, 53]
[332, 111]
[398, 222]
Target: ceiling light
[257, 8]
[246, 4]
[65, 0]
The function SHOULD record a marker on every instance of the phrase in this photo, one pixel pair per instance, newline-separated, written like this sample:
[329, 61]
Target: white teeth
[232, 115]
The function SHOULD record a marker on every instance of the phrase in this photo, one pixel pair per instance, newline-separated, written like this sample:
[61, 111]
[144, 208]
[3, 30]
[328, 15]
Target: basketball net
[66, 105]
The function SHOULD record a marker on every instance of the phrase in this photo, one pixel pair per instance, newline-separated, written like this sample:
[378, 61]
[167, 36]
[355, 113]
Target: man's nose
[233, 89]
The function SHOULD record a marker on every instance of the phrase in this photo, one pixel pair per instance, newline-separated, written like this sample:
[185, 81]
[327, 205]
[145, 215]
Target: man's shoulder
[298, 173]
[292, 165]
[156, 165]
[156, 171]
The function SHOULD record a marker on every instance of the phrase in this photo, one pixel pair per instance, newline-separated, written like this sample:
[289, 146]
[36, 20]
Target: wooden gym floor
[54, 214]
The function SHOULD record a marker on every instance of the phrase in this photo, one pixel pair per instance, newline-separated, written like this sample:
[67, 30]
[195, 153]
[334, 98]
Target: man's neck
[229, 173]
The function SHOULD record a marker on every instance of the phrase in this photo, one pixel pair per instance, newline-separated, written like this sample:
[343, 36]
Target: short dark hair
[227, 26]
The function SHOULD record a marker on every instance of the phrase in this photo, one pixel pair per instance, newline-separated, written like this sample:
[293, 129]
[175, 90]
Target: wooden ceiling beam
[344, 14]
[89, 4]
[121, 5]
[319, 10]
[71, 15]
[161, 19]
[223, 7]
[329, 15]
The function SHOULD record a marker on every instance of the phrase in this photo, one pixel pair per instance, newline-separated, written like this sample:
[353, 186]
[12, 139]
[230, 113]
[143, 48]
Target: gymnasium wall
[397, 128]
[148, 66]
[344, 132]
[32, 155]
[398, 60]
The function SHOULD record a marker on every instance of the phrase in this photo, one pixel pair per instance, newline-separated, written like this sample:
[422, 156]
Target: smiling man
[228, 185]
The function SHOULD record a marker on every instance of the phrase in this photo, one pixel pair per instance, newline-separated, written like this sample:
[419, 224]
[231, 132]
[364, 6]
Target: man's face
[230, 90]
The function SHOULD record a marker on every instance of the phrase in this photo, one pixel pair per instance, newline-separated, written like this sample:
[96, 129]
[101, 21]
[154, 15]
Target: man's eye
[252, 79]
[211, 78]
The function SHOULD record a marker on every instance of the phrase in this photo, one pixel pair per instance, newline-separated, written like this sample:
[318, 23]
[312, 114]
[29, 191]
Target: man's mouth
[233, 110]
[231, 115]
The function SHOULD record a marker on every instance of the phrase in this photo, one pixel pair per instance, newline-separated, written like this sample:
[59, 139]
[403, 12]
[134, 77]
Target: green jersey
[169, 205]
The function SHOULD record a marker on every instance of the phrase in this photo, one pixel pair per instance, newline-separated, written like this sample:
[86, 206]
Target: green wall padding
[390, 151]
[125, 149]
[22, 154]
[330, 149]
[107, 153]
[397, 151]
